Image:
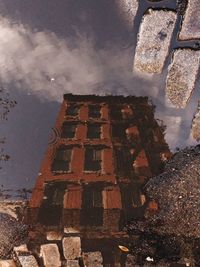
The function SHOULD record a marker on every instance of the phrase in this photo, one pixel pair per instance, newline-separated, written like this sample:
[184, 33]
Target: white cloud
[32, 59]
[48, 66]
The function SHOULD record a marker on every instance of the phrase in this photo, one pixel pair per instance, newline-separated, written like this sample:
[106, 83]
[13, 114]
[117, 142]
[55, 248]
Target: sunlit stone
[50, 255]
[71, 247]
[154, 40]
[191, 22]
[27, 261]
[182, 74]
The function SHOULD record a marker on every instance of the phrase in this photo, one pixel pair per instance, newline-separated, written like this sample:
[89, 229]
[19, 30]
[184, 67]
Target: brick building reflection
[92, 175]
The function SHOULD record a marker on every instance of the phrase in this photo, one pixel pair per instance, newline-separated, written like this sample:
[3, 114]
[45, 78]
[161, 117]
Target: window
[119, 131]
[123, 161]
[68, 130]
[115, 112]
[94, 131]
[50, 212]
[62, 160]
[94, 111]
[92, 159]
[92, 207]
[97, 199]
[72, 110]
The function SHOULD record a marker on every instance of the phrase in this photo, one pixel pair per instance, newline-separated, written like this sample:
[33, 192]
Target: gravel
[177, 192]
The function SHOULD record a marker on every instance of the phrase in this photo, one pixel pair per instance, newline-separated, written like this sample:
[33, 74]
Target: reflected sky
[53, 47]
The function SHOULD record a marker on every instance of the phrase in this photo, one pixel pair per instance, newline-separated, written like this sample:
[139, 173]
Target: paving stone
[20, 249]
[7, 263]
[182, 74]
[93, 259]
[196, 125]
[154, 40]
[53, 235]
[71, 230]
[28, 261]
[71, 247]
[50, 255]
[72, 263]
[191, 23]
[127, 10]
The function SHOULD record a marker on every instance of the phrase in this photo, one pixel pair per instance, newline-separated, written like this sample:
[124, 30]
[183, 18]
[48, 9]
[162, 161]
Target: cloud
[48, 66]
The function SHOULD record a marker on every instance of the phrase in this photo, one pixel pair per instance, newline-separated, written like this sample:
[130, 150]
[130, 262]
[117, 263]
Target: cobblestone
[50, 255]
[182, 74]
[154, 40]
[7, 263]
[71, 247]
[191, 22]
[28, 261]
[93, 259]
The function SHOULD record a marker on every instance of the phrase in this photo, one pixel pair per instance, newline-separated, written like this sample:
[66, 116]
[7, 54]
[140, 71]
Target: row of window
[63, 157]
[93, 160]
[91, 210]
[94, 111]
[69, 130]
[93, 130]
[92, 207]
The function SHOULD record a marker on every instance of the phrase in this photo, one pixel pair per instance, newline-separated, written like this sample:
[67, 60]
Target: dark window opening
[92, 159]
[68, 130]
[50, 212]
[94, 111]
[123, 161]
[132, 203]
[72, 110]
[94, 131]
[136, 196]
[92, 207]
[119, 131]
[62, 160]
[97, 199]
[116, 112]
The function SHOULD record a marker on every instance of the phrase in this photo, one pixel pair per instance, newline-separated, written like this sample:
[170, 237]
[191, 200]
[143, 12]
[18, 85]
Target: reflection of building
[92, 174]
